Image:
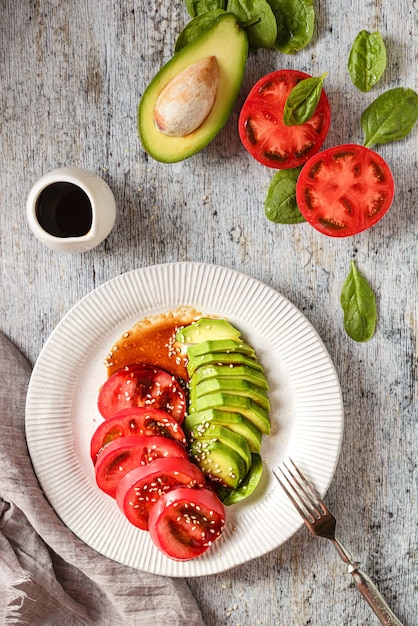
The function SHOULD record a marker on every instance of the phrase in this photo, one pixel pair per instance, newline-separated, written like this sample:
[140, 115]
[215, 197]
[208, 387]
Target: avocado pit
[186, 101]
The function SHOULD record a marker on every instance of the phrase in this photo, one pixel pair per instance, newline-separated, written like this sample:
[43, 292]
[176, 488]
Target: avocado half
[228, 43]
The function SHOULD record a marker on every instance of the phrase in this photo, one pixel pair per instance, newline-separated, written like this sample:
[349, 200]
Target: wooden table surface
[71, 75]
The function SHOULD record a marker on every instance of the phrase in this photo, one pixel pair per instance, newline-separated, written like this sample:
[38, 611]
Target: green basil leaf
[359, 305]
[198, 7]
[295, 24]
[367, 60]
[280, 204]
[302, 101]
[262, 31]
[196, 27]
[390, 117]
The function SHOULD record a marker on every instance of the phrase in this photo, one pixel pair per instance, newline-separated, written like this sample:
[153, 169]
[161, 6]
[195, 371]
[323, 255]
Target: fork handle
[368, 589]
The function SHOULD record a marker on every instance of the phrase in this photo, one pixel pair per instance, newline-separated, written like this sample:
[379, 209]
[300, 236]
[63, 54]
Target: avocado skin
[207, 329]
[197, 423]
[229, 44]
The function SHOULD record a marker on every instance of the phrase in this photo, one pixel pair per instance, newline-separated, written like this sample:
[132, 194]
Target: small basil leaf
[280, 204]
[367, 60]
[262, 30]
[359, 305]
[303, 100]
[390, 117]
[295, 24]
[197, 7]
[196, 27]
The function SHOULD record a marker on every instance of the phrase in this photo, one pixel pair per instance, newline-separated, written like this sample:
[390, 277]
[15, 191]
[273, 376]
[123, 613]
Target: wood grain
[71, 76]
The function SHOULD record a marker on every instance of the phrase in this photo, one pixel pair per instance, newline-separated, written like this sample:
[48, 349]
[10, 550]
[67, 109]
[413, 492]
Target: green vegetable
[246, 488]
[359, 305]
[280, 204]
[295, 24]
[367, 60]
[263, 29]
[196, 27]
[286, 25]
[390, 117]
[197, 7]
[303, 100]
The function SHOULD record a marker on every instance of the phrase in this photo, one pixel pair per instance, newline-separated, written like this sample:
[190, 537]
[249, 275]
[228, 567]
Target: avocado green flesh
[237, 387]
[248, 485]
[218, 461]
[220, 345]
[230, 402]
[228, 406]
[239, 444]
[229, 44]
[207, 329]
[221, 358]
[197, 423]
[231, 372]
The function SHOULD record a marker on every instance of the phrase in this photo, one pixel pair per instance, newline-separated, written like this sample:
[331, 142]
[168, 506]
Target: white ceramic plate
[61, 414]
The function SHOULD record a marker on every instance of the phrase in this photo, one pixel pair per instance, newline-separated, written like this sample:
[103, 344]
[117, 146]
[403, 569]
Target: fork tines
[299, 491]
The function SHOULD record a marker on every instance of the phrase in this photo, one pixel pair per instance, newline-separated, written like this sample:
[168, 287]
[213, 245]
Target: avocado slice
[220, 433]
[218, 461]
[220, 345]
[241, 372]
[228, 43]
[232, 403]
[207, 329]
[235, 386]
[248, 485]
[221, 358]
[196, 424]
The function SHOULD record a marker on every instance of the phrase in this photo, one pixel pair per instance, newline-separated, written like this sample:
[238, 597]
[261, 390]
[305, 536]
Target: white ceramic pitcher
[85, 204]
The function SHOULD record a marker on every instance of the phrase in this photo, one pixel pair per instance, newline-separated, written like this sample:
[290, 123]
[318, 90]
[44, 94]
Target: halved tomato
[141, 488]
[184, 522]
[263, 131]
[135, 421]
[142, 385]
[344, 190]
[126, 453]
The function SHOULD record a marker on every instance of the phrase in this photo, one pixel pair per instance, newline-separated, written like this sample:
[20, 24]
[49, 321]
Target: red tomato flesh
[135, 421]
[141, 488]
[344, 190]
[184, 522]
[262, 129]
[142, 385]
[126, 453]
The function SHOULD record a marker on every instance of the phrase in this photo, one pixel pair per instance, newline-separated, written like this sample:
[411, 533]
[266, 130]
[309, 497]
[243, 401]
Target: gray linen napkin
[47, 575]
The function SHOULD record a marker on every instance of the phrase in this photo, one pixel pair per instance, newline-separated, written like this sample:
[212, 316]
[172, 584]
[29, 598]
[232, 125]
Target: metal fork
[321, 522]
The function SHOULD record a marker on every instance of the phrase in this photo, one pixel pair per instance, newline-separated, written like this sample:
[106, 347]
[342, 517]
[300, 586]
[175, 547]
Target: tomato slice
[126, 453]
[262, 129]
[142, 385]
[135, 421]
[141, 488]
[344, 190]
[185, 522]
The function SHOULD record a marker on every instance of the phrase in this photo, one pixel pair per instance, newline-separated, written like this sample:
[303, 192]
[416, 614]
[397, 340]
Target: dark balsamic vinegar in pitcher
[64, 210]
